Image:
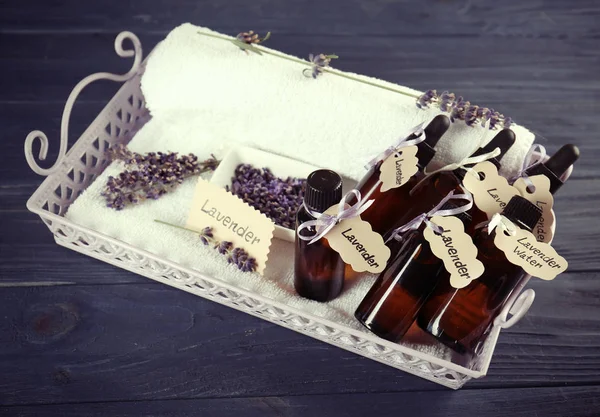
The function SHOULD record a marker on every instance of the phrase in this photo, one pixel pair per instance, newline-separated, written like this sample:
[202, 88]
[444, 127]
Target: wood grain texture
[79, 337]
[148, 341]
[511, 18]
[528, 402]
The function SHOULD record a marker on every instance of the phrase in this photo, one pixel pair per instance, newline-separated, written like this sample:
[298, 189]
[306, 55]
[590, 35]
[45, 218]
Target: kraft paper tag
[398, 168]
[491, 191]
[232, 220]
[542, 198]
[456, 249]
[358, 245]
[536, 258]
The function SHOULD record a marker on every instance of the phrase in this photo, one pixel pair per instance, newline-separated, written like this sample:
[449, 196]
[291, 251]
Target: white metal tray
[116, 124]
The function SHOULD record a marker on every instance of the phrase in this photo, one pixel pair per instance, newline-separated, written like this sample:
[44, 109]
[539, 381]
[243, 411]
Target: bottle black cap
[556, 166]
[323, 190]
[522, 212]
[503, 140]
[433, 133]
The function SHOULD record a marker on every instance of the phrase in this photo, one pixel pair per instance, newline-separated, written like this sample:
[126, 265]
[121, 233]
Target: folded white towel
[221, 95]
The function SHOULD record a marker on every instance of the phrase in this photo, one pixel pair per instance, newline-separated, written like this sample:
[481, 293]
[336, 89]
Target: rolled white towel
[209, 89]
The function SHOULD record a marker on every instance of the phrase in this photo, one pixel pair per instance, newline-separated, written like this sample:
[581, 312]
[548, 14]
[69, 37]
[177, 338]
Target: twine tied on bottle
[415, 223]
[535, 156]
[400, 143]
[324, 222]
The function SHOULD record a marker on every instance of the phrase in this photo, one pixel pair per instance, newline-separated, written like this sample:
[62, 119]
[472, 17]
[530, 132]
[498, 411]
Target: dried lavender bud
[242, 260]
[318, 62]
[460, 109]
[223, 247]
[447, 101]
[279, 199]
[426, 99]
[250, 37]
[471, 116]
[206, 235]
[150, 176]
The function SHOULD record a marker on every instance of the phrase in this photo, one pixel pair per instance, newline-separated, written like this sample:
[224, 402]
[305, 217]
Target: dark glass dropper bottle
[433, 189]
[556, 166]
[461, 318]
[318, 269]
[391, 305]
[382, 213]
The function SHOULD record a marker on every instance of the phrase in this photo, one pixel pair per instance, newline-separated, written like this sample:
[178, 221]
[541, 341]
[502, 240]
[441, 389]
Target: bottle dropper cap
[556, 166]
[503, 140]
[522, 212]
[433, 133]
[323, 190]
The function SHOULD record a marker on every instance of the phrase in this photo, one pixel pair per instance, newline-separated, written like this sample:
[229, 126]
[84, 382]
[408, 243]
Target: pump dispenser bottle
[382, 214]
[318, 269]
[391, 305]
[461, 318]
[432, 190]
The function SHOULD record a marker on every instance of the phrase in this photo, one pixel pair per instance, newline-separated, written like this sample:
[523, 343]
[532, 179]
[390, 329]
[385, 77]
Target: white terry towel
[211, 87]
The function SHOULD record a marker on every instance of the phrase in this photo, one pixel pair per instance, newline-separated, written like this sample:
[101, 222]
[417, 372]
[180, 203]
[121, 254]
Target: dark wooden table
[79, 337]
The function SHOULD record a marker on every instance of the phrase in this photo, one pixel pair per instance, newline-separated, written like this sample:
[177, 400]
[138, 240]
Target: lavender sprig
[318, 62]
[279, 199]
[150, 176]
[237, 256]
[245, 40]
[459, 109]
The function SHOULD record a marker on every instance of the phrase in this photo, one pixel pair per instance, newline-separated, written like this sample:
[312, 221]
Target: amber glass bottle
[556, 166]
[433, 189]
[461, 318]
[391, 305]
[318, 269]
[382, 214]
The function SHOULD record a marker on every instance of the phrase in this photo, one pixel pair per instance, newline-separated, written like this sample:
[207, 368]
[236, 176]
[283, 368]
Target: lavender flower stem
[176, 226]
[309, 64]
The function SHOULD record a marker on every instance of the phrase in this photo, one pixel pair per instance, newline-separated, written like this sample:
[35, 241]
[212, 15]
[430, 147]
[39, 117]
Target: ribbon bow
[535, 156]
[415, 223]
[324, 222]
[471, 160]
[400, 143]
[505, 224]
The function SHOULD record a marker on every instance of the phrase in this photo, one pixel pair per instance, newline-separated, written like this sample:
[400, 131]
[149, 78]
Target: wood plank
[517, 402]
[512, 19]
[88, 343]
[538, 70]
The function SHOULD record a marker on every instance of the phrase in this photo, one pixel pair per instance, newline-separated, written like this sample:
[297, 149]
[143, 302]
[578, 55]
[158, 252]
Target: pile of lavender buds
[279, 199]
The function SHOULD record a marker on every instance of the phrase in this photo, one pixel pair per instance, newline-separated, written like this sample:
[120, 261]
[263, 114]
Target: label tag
[542, 198]
[398, 168]
[491, 191]
[456, 249]
[357, 243]
[536, 258]
[232, 220]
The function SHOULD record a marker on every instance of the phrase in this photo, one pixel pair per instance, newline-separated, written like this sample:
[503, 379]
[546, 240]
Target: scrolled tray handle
[136, 53]
[517, 310]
